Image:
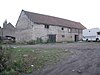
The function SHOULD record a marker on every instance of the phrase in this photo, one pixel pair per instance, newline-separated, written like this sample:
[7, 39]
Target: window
[62, 28]
[47, 26]
[63, 36]
[69, 30]
[98, 33]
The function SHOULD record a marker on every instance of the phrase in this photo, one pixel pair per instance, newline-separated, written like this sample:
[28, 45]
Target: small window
[62, 28]
[47, 26]
[98, 33]
[69, 30]
[63, 36]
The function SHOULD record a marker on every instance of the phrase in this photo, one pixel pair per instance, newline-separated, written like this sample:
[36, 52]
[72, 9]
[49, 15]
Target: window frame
[46, 26]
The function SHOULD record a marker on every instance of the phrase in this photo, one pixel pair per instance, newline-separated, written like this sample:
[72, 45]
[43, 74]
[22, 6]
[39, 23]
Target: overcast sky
[85, 11]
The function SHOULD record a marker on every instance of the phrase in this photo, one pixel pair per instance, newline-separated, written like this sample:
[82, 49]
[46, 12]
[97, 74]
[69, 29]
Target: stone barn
[31, 26]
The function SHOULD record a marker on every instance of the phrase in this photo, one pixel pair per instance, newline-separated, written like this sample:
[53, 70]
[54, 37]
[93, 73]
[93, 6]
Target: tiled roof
[45, 19]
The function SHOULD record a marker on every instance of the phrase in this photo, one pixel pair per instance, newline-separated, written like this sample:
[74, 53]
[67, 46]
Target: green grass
[38, 57]
[26, 60]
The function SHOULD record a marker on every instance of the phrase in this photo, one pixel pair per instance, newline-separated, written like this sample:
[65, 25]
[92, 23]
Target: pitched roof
[45, 19]
[9, 26]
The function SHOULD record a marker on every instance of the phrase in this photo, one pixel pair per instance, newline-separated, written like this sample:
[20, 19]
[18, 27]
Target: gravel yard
[85, 59]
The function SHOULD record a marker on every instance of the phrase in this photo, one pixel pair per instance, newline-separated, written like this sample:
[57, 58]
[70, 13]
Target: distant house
[31, 26]
[7, 32]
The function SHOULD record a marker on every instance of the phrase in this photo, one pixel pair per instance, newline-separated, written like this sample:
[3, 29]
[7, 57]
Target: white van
[91, 34]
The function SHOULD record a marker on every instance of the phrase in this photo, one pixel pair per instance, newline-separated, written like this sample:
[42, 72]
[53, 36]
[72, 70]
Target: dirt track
[84, 61]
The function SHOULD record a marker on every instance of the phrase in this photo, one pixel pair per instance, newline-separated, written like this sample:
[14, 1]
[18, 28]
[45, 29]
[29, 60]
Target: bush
[37, 41]
[12, 65]
[5, 63]
[1, 41]
[32, 42]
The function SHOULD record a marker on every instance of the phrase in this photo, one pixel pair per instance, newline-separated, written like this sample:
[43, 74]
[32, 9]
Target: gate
[52, 38]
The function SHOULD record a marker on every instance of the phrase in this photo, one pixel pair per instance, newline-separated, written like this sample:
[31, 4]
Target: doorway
[76, 38]
[52, 38]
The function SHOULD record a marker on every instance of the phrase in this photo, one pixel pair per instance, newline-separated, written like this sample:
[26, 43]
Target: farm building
[7, 32]
[31, 26]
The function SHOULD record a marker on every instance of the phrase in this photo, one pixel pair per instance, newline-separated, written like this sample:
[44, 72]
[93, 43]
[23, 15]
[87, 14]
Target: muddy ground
[85, 59]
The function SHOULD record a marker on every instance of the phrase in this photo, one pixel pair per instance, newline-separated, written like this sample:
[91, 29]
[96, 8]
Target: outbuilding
[31, 26]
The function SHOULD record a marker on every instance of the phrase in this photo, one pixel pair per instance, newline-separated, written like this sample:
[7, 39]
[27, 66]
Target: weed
[15, 61]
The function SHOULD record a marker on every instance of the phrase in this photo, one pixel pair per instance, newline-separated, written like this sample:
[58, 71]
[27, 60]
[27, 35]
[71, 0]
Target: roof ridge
[50, 16]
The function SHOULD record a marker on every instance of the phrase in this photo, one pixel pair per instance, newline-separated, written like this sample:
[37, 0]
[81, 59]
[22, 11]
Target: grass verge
[26, 60]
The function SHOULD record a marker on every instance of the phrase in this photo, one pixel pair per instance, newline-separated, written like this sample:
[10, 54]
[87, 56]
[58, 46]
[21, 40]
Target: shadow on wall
[7, 39]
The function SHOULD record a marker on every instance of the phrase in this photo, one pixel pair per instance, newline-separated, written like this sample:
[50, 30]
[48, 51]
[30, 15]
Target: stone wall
[39, 30]
[26, 30]
[7, 30]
